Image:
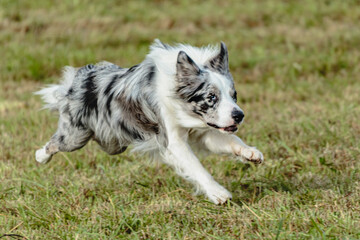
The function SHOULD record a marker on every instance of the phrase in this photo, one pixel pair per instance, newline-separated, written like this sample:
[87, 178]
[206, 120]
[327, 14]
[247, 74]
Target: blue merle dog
[178, 96]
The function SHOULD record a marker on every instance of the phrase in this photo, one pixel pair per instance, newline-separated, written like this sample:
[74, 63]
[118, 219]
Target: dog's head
[208, 90]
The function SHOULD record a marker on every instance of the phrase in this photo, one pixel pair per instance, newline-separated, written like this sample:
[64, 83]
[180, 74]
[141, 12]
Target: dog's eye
[235, 96]
[212, 97]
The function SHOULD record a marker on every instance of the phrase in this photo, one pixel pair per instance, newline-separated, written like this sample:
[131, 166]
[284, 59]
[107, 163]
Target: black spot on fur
[89, 66]
[180, 88]
[123, 149]
[61, 139]
[111, 84]
[133, 110]
[133, 68]
[151, 74]
[124, 128]
[79, 124]
[191, 92]
[199, 87]
[108, 103]
[197, 98]
[130, 70]
[132, 133]
[67, 109]
[90, 95]
[136, 135]
[196, 112]
[214, 65]
[204, 107]
[73, 123]
[85, 69]
[76, 121]
[71, 90]
[147, 124]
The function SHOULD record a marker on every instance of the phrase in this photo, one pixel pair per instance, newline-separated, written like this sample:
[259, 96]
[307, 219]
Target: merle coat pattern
[177, 95]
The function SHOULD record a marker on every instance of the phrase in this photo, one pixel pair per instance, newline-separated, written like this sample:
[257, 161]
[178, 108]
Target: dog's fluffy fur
[177, 95]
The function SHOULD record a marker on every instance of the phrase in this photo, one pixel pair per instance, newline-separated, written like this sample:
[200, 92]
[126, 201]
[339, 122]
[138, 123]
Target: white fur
[41, 156]
[180, 127]
[53, 94]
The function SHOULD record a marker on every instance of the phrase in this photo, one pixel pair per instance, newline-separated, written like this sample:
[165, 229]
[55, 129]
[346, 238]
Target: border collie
[177, 96]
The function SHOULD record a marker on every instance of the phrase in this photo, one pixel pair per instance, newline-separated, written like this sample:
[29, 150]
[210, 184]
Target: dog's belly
[112, 146]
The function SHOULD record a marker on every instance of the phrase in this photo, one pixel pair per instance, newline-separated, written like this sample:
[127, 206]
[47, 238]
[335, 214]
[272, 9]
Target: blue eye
[212, 97]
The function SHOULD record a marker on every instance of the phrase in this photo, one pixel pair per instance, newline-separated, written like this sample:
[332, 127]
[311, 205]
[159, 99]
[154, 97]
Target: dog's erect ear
[190, 79]
[159, 44]
[220, 62]
[185, 66]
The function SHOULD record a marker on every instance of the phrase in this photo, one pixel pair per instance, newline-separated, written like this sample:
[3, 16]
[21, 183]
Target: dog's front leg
[231, 144]
[180, 156]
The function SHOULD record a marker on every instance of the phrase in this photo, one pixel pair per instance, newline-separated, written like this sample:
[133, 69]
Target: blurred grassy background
[296, 67]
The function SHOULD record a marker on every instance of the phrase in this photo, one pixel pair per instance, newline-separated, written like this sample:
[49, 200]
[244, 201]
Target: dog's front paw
[250, 154]
[218, 194]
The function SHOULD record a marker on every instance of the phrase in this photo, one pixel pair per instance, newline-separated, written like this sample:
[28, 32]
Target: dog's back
[154, 106]
[113, 105]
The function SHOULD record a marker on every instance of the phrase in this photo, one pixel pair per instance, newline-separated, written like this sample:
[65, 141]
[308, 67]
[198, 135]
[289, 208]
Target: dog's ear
[159, 44]
[185, 66]
[190, 79]
[220, 62]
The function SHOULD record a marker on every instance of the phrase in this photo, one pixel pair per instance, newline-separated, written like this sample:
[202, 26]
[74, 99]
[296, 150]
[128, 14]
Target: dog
[178, 95]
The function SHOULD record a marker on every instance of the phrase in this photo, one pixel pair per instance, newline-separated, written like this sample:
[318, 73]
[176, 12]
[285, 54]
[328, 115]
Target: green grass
[297, 68]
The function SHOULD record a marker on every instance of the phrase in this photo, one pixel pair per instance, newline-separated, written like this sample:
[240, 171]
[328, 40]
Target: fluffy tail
[54, 94]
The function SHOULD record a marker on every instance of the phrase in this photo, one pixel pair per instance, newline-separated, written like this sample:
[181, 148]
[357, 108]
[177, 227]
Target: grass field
[297, 70]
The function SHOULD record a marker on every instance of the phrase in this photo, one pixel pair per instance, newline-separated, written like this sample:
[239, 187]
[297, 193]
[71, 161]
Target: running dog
[177, 96]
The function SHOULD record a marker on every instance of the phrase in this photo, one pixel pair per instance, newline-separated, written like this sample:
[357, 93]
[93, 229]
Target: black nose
[237, 115]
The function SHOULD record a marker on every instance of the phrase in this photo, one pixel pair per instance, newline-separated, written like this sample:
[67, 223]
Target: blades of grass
[18, 225]
[291, 151]
[321, 232]
[14, 236]
[112, 204]
[248, 208]
[35, 214]
[30, 181]
[68, 160]
[126, 222]
[280, 225]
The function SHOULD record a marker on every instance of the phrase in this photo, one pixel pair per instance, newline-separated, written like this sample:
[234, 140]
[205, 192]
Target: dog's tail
[53, 94]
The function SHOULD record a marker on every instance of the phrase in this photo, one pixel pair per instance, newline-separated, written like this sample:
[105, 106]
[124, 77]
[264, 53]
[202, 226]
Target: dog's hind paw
[41, 156]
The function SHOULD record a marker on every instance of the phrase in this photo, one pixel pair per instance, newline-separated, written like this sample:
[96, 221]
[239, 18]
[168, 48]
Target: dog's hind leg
[67, 138]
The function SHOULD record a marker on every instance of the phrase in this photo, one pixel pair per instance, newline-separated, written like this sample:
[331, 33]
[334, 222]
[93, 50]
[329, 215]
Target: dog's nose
[237, 115]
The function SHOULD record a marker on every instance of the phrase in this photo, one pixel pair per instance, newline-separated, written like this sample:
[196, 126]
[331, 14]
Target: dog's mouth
[231, 129]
